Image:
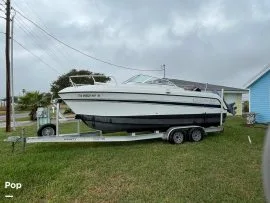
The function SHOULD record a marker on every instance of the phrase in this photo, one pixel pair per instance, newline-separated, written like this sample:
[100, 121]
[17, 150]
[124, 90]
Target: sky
[212, 41]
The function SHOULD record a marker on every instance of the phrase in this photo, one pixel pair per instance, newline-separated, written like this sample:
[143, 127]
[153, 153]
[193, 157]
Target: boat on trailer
[142, 103]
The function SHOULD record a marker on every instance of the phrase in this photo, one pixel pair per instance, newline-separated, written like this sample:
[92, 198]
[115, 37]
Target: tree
[63, 80]
[32, 100]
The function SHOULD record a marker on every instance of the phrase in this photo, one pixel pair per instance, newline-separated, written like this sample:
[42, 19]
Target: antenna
[205, 87]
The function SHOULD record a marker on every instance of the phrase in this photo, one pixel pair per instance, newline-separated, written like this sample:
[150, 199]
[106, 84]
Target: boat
[142, 103]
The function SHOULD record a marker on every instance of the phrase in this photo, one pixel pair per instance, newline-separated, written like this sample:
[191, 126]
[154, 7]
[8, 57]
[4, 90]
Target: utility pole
[12, 75]
[164, 70]
[7, 66]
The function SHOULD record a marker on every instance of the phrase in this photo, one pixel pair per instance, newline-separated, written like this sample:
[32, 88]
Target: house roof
[258, 76]
[210, 87]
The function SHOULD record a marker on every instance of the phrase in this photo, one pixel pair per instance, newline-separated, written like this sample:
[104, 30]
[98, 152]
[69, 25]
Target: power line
[39, 58]
[54, 48]
[35, 40]
[33, 11]
[81, 52]
[36, 56]
[62, 51]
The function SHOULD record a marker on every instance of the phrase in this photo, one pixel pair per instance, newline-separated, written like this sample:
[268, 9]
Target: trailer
[175, 135]
[49, 133]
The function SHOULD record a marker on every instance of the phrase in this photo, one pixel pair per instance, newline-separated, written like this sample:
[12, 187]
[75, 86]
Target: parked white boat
[142, 103]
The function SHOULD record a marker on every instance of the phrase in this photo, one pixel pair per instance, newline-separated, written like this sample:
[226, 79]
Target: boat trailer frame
[98, 136]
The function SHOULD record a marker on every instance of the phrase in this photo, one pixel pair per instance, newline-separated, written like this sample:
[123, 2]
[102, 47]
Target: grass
[19, 119]
[3, 112]
[23, 119]
[223, 167]
[27, 118]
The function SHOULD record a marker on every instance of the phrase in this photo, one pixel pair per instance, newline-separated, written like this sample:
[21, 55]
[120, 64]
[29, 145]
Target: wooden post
[8, 66]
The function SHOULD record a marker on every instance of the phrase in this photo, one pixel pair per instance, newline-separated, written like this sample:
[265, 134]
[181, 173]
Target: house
[259, 95]
[231, 94]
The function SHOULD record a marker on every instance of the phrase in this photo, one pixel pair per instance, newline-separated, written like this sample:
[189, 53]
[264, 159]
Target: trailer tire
[177, 137]
[196, 134]
[47, 130]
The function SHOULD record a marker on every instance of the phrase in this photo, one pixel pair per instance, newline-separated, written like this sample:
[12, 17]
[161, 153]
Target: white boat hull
[134, 109]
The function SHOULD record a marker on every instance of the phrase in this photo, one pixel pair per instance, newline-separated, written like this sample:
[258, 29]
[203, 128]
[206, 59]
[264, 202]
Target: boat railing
[91, 77]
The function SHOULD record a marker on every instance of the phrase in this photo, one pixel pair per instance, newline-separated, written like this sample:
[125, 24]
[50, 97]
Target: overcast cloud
[221, 42]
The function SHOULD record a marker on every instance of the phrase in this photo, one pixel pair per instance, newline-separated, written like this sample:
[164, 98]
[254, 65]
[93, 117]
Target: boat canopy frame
[91, 76]
[137, 79]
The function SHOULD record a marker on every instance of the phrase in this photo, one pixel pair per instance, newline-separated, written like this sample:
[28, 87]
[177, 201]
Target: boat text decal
[88, 95]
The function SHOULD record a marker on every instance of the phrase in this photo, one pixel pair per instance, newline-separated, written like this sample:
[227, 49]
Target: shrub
[68, 110]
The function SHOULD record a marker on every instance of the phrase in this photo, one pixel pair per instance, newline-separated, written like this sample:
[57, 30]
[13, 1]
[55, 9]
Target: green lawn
[223, 167]
[23, 119]
[19, 119]
[3, 112]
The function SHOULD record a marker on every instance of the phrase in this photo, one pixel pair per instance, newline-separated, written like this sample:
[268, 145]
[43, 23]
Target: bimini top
[147, 79]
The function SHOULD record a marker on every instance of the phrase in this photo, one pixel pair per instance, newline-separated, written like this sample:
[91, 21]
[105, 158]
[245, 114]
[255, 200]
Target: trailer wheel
[196, 134]
[177, 137]
[47, 130]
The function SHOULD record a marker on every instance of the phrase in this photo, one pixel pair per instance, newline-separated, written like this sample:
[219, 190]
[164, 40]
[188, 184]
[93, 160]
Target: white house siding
[237, 99]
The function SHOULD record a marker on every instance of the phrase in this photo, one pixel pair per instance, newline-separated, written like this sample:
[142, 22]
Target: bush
[31, 101]
[68, 110]
[22, 107]
[33, 114]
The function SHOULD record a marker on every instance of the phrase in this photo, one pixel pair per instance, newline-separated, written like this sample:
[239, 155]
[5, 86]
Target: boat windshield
[147, 79]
